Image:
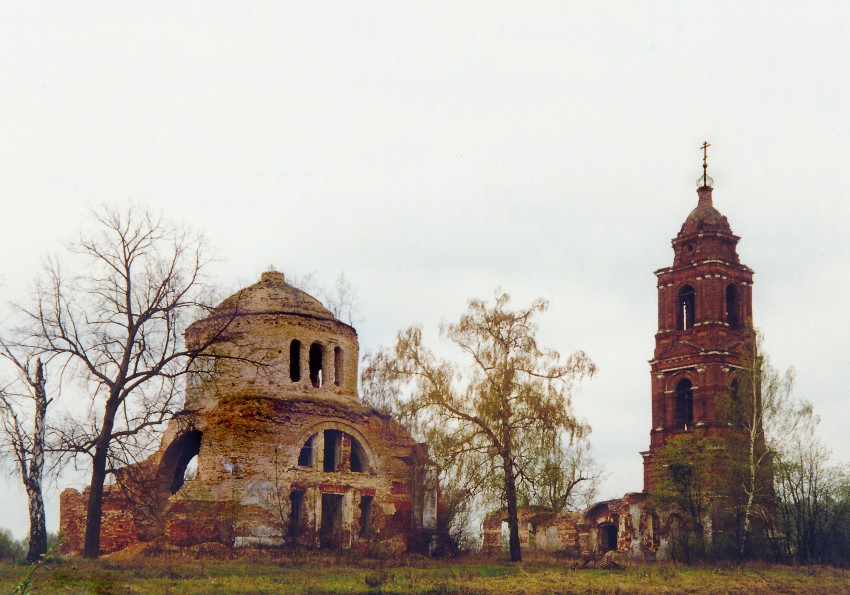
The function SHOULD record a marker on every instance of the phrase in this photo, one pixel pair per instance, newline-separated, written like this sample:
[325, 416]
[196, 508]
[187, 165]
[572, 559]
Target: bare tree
[564, 476]
[24, 401]
[117, 328]
[813, 496]
[342, 302]
[491, 416]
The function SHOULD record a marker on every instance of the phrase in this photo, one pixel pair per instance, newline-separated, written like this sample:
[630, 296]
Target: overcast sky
[436, 150]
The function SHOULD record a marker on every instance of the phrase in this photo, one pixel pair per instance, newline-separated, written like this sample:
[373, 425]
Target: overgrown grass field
[262, 572]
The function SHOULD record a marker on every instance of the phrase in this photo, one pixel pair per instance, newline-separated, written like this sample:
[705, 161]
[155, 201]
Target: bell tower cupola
[705, 330]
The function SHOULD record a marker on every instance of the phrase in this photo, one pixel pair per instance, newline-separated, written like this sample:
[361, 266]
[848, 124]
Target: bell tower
[705, 330]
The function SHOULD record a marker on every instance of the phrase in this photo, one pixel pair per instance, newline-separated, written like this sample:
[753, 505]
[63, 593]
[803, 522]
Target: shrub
[10, 548]
[376, 580]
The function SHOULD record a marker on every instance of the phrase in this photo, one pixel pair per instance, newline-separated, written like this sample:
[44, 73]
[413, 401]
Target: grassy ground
[312, 573]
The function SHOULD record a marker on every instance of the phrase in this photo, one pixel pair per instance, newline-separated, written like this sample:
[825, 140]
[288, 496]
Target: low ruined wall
[630, 523]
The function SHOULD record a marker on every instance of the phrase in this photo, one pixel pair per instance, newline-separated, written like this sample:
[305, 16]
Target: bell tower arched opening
[684, 407]
[732, 307]
[686, 302]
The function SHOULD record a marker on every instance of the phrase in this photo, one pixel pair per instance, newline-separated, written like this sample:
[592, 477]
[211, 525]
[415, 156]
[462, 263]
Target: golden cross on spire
[704, 147]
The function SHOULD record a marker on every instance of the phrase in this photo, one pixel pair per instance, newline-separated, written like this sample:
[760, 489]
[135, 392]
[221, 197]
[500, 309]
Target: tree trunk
[513, 520]
[95, 504]
[38, 526]
[745, 537]
[33, 477]
[94, 511]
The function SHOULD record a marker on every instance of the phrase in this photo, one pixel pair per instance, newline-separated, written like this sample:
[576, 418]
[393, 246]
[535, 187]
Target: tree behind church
[485, 420]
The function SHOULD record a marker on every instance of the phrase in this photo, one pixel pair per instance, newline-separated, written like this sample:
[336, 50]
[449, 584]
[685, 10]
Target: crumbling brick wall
[628, 526]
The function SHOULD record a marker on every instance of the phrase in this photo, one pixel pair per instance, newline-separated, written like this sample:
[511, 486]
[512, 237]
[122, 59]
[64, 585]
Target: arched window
[316, 353]
[337, 450]
[295, 360]
[337, 365]
[684, 414]
[686, 305]
[732, 307]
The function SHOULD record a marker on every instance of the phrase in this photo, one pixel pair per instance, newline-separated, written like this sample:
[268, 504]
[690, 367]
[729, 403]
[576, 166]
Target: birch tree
[23, 415]
[764, 415]
[491, 415]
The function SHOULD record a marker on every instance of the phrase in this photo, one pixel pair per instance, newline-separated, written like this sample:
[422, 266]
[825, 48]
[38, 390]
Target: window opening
[366, 516]
[316, 353]
[337, 365]
[295, 360]
[737, 410]
[356, 456]
[332, 446]
[681, 475]
[305, 457]
[684, 418]
[330, 533]
[296, 513]
[687, 307]
[732, 318]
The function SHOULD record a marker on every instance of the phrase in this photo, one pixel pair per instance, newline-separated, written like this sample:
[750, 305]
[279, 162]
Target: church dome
[273, 295]
[705, 218]
[705, 234]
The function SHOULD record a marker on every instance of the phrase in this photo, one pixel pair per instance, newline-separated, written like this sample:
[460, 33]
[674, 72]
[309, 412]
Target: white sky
[436, 150]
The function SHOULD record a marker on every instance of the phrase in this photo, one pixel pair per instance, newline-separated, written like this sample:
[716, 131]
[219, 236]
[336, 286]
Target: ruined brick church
[287, 453]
